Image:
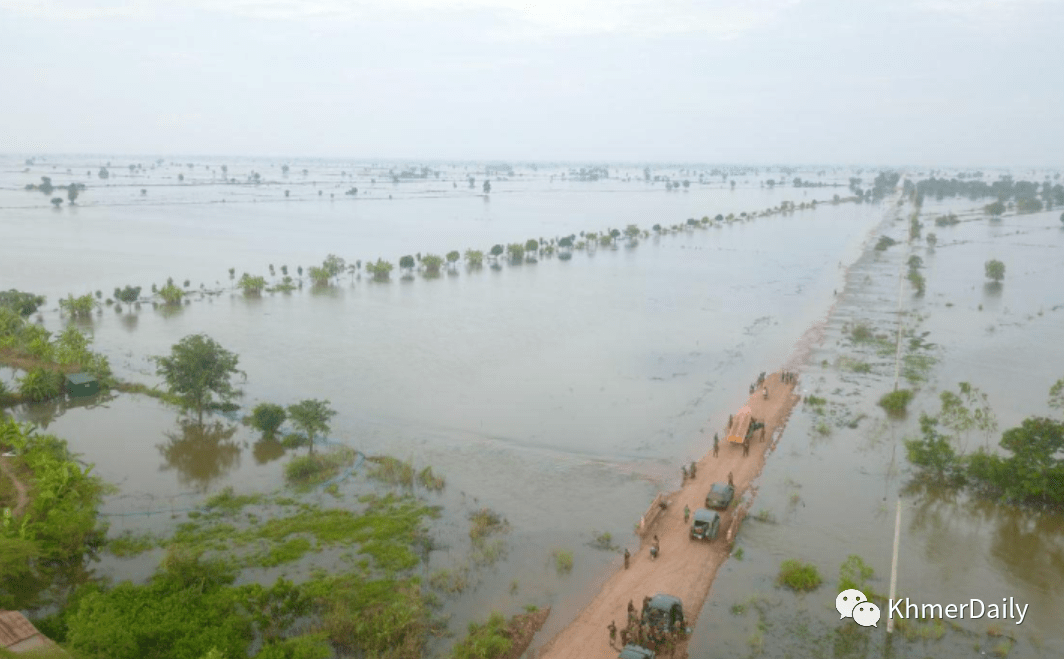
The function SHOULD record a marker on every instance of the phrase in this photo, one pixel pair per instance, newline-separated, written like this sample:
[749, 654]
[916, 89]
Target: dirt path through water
[685, 568]
[20, 488]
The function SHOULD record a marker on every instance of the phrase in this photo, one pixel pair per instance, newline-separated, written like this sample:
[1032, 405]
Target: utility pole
[894, 566]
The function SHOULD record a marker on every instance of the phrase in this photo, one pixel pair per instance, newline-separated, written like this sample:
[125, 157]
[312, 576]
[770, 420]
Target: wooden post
[894, 565]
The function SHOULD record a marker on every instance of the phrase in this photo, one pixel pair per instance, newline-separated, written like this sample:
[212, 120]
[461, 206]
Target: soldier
[692, 470]
[613, 633]
[686, 513]
[683, 473]
[762, 433]
[751, 390]
[624, 637]
[646, 600]
[730, 418]
[627, 556]
[716, 444]
[764, 393]
[655, 549]
[631, 611]
[730, 482]
[746, 445]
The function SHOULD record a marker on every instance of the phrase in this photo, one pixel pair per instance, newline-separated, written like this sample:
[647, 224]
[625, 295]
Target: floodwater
[562, 394]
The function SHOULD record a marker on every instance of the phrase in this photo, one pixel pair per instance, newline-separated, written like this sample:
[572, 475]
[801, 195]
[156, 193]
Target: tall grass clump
[798, 576]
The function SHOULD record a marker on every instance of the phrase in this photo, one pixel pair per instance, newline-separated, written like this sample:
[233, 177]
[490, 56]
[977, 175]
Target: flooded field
[564, 394]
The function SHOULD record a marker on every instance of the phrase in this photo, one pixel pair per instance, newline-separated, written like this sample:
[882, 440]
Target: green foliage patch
[798, 576]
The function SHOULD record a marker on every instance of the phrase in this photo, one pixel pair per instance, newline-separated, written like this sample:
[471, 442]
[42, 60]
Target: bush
[432, 264]
[884, 243]
[487, 641]
[896, 402]
[267, 418]
[318, 467]
[251, 285]
[39, 385]
[996, 208]
[1028, 205]
[995, 270]
[129, 294]
[798, 576]
[854, 573]
[78, 306]
[171, 294]
[22, 303]
[563, 561]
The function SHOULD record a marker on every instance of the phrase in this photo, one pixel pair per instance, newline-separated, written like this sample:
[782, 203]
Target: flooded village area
[550, 343]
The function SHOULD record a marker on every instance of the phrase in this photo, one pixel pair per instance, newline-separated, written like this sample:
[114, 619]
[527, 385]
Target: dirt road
[685, 568]
[20, 488]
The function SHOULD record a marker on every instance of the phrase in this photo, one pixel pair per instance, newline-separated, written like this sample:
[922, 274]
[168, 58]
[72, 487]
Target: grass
[392, 470]
[822, 428]
[853, 365]
[603, 541]
[316, 468]
[430, 481]
[130, 543]
[798, 576]
[896, 402]
[563, 560]
[738, 553]
[916, 367]
[765, 516]
[489, 640]
[921, 629]
[226, 502]
[816, 402]
[884, 243]
[486, 522]
[450, 581]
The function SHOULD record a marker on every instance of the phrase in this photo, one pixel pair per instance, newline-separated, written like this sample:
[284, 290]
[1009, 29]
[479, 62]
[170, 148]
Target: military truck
[664, 614]
[631, 651]
[705, 525]
[720, 496]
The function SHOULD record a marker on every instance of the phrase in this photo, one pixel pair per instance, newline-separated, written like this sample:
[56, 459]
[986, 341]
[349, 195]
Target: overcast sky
[948, 82]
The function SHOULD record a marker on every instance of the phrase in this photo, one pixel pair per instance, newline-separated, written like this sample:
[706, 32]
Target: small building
[82, 384]
[18, 635]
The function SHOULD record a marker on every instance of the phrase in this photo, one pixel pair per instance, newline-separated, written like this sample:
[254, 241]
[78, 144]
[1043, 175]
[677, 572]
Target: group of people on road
[640, 632]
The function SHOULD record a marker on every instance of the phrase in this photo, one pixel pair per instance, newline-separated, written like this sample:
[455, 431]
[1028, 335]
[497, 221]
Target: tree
[22, 303]
[632, 232]
[57, 201]
[334, 265]
[432, 264]
[171, 294]
[1035, 470]
[320, 276]
[995, 270]
[78, 306]
[380, 270]
[995, 209]
[474, 257]
[129, 294]
[72, 192]
[1056, 395]
[532, 246]
[197, 370]
[452, 257]
[251, 285]
[103, 173]
[516, 252]
[932, 240]
[267, 418]
[406, 262]
[312, 417]
[497, 251]
[487, 187]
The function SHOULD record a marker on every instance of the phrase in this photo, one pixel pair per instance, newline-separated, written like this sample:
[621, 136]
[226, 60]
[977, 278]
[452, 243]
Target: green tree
[407, 262]
[497, 251]
[532, 246]
[380, 270]
[995, 270]
[129, 294]
[631, 232]
[312, 417]
[72, 193]
[334, 265]
[79, 306]
[22, 303]
[452, 257]
[995, 209]
[197, 370]
[432, 264]
[1056, 395]
[933, 452]
[251, 285]
[319, 275]
[487, 187]
[39, 384]
[474, 257]
[267, 418]
[516, 252]
[932, 240]
[1035, 470]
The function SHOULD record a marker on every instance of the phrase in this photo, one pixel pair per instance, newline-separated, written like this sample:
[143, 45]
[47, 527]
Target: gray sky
[950, 82]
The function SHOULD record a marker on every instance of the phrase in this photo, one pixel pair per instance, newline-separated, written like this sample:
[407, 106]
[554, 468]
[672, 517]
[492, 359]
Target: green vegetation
[80, 307]
[995, 270]
[24, 304]
[516, 252]
[318, 275]
[996, 208]
[487, 641]
[171, 294]
[228, 503]
[251, 285]
[798, 576]
[130, 544]
[604, 542]
[563, 560]
[392, 470]
[884, 243]
[861, 333]
[896, 402]
[58, 529]
[39, 384]
[381, 270]
[312, 417]
[945, 221]
[432, 264]
[129, 294]
[854, 365]
[855, 573]
[431, 481]
[474, 258]
[452, 257]
[915, 367]
[197, 370]
[267, 418]
[317, 468]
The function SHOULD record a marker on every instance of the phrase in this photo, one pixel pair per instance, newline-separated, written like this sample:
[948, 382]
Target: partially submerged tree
[197, 370]
[311, 416]
[995, 270]
[267, 418]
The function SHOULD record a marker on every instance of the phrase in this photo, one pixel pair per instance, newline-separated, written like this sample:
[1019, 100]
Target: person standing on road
[730, 482]
[627, 556]
[686, 513]
[746, 446]
[716, 444]
[693, 469]
[613, 633]
[683, 472]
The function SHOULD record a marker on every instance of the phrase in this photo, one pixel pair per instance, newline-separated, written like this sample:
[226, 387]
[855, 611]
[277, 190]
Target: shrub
[39, 384]
[129, 294]
[1028, 205]
[474, 257]
[171, 294]
[854, 573]
[267, 418]
[78, 306]
[884, 243]
[487, 641]
[896, 402]
[996, 208]
[251, 285]
[798, 576]
[563, 561]
[995, 270]
[432, 264]
[22, 303]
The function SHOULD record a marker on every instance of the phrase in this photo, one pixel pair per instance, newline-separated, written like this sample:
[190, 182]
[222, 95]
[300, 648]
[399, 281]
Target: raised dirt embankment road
[685, 568]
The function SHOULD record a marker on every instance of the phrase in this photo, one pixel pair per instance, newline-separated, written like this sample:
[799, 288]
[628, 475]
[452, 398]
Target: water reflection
[129, 321]
[42, 414]
[201, 454]
[267, 450]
